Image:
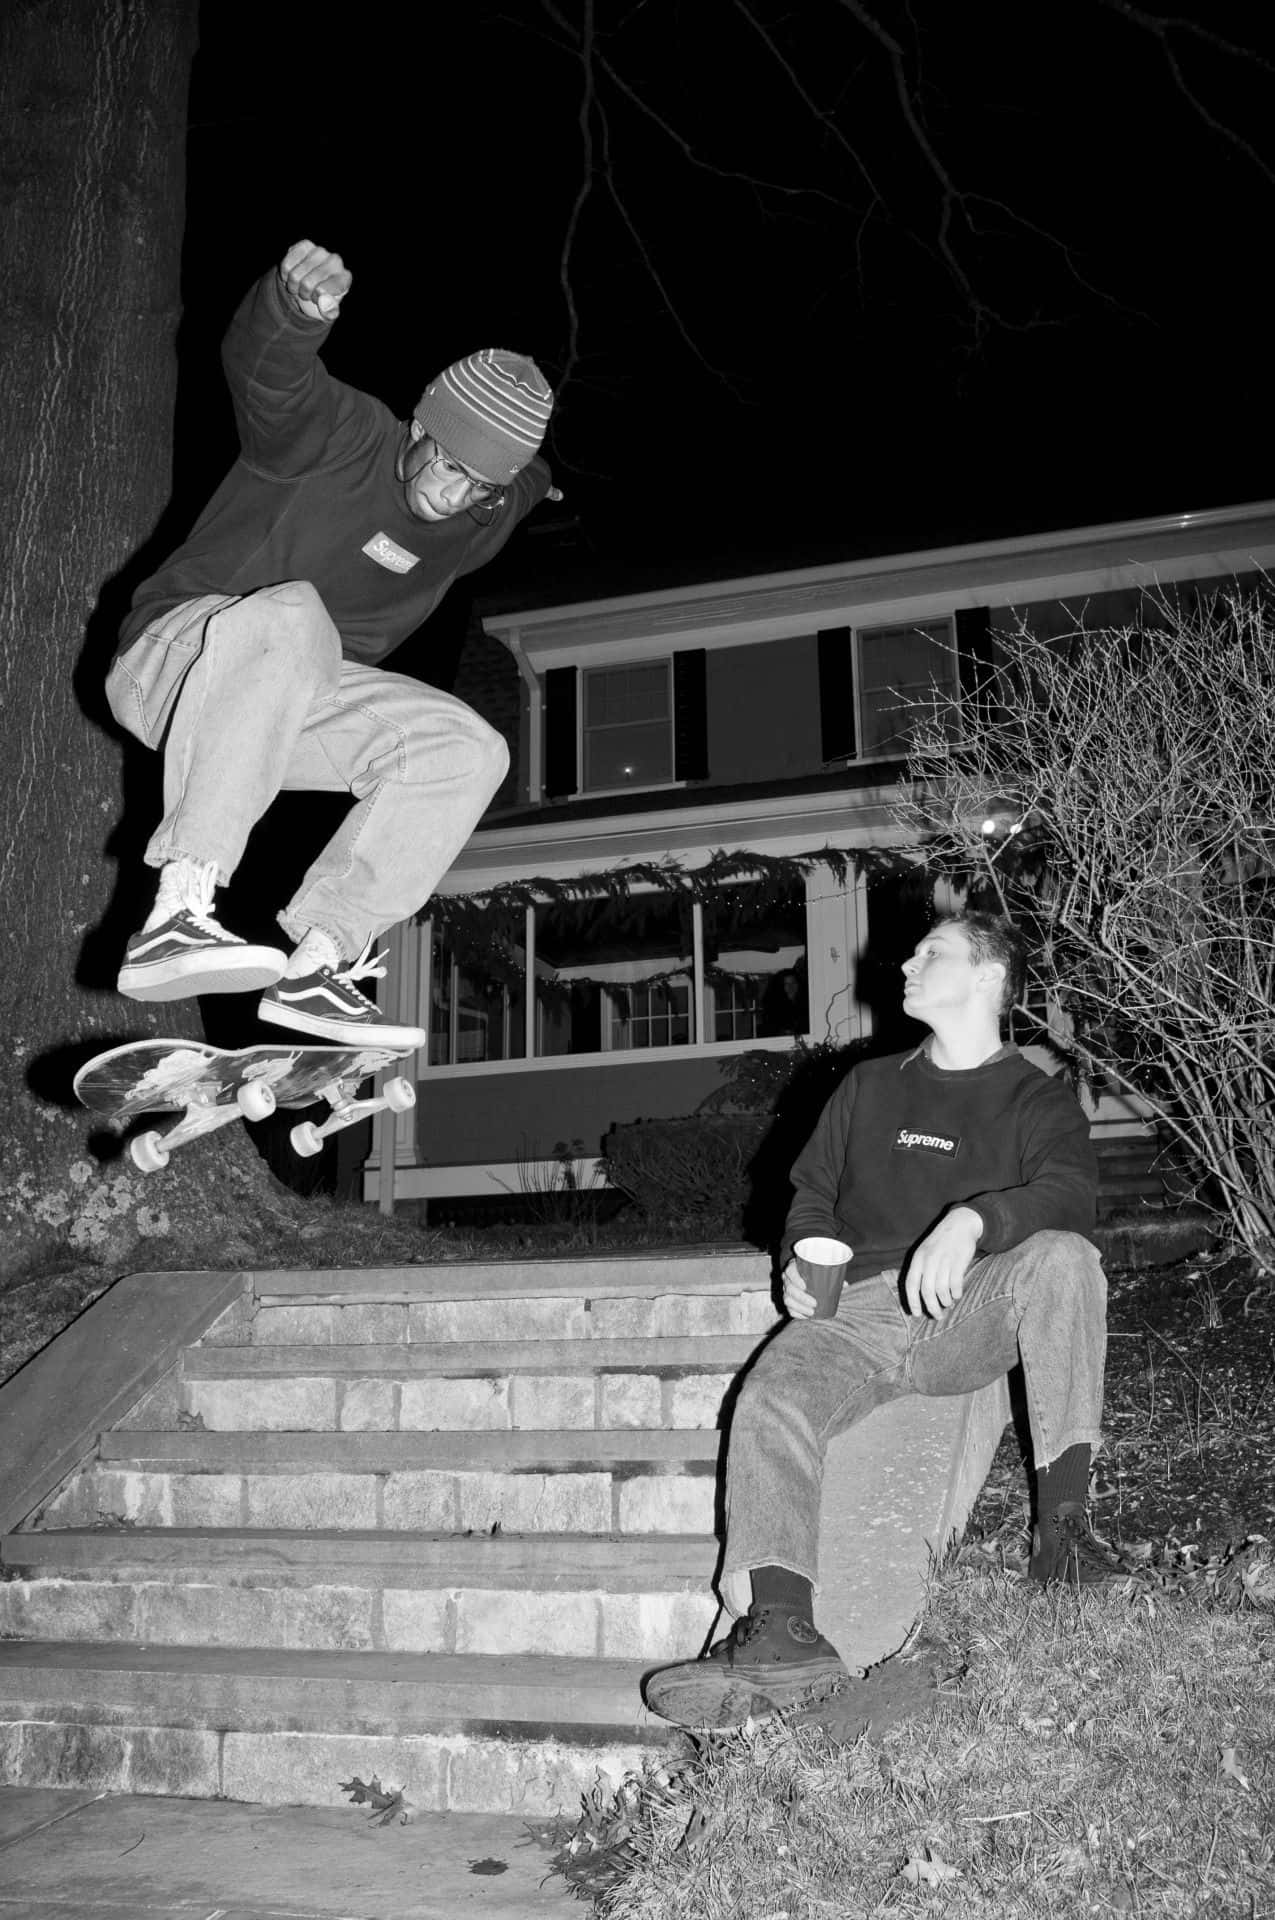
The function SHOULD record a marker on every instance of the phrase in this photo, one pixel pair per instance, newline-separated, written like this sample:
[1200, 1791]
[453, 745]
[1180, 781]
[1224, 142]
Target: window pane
[755, 962]
[612, 973]
[736, 1002]
[898, 666]
[634, 756]
[614, 696]
[658, 1016]
[472, 1017]
[627, 726]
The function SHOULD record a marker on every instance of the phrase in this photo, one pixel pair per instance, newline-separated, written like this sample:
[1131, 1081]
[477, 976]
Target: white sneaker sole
[340, 1033]
[230, 970]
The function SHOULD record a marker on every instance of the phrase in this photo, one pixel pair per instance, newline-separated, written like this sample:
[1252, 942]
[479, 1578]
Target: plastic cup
[822, 1265]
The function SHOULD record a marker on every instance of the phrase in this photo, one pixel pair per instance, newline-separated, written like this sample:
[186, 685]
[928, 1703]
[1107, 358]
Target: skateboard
[210, 1087]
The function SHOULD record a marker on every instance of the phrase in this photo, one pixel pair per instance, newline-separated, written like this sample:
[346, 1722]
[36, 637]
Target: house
[695, 853]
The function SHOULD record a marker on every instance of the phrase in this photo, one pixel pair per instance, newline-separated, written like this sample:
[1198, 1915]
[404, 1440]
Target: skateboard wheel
[148, 1152]
[255, 1100]
[306, 1139]
[400, 1095]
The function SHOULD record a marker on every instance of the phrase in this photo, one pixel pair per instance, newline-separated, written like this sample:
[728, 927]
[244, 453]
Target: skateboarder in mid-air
[963, 1179]
[251, 659]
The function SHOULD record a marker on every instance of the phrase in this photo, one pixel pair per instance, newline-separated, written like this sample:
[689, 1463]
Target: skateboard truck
[150, 1152]
[399, 1095]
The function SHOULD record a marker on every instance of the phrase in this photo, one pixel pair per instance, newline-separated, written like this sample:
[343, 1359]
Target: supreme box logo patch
[915, 1140]
[387, 553]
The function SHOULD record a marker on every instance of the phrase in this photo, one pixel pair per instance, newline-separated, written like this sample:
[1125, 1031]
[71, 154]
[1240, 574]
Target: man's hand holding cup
[814, 1277]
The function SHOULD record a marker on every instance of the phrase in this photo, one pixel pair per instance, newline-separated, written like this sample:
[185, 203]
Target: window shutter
[974, 653]
[690, 714]
[836, 693]
[561, 749]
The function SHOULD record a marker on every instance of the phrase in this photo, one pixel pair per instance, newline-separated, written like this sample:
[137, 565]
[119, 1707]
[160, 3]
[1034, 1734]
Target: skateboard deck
[211, 1086]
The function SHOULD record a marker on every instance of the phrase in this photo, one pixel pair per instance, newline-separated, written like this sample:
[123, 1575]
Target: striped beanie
[489, 410]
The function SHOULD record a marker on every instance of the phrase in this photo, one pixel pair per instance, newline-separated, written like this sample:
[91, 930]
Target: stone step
[469, 1386]
[700, 1270]
[541, 1561]
[633, 1494]
[459, 1732]
[197, 1451]
[462, 1358]
[579, 1316]
[647, 1599]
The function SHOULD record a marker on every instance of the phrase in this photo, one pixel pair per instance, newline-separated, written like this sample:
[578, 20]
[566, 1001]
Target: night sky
[764, 358]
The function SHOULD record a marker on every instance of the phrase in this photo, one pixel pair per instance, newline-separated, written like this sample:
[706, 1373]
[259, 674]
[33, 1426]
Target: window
[736, 1006]
[898, 667]
[755, 963]
[654, 1016]
[472, 1018]
[627, 726]
[619, 973]
[613, 974]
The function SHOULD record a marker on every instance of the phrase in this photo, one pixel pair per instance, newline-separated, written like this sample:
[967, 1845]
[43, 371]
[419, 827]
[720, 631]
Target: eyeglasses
[482, 493]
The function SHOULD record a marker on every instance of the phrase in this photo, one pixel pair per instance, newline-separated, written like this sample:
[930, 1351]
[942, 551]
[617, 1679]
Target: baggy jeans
[1044, 1302]
[250, 696]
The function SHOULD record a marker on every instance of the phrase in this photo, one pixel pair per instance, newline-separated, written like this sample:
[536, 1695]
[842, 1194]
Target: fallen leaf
[1231, 1767]
[701, 1828]
[388, 1804]
[361, 1790]
[930, 1871]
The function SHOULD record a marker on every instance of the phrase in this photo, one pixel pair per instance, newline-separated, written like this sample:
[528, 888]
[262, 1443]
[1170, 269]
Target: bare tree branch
[585, 118]
[955, 204]
[1115, 789]
[1160, 28]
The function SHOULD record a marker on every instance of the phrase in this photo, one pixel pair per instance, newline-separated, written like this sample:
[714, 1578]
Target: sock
[177, 878]
[316, 949]
[777, 1586]
[1064, 1479]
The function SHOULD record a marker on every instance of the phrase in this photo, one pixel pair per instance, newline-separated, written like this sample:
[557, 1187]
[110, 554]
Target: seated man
[964, 1181]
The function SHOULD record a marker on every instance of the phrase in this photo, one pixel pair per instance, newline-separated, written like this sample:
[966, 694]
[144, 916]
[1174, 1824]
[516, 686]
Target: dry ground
[1188, 1465]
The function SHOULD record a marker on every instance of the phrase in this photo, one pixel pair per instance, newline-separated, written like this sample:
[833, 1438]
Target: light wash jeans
[250, 696]
[1044, 1303]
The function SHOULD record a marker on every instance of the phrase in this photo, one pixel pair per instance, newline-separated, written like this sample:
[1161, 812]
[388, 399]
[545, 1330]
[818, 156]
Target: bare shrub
[1114, 788]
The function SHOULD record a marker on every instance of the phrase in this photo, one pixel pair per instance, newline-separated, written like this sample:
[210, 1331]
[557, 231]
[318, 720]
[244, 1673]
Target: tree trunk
[93, 111]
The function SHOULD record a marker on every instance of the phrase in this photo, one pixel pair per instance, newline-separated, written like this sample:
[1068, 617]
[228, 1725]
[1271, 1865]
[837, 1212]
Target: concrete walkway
[134, 1857]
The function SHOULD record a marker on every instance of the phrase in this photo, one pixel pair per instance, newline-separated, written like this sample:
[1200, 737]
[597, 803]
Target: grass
[1080, 1754]
[1087, 1753]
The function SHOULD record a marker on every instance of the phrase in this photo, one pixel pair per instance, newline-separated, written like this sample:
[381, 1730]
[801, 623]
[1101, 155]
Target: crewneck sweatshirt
[901, 1141]
[314, 496]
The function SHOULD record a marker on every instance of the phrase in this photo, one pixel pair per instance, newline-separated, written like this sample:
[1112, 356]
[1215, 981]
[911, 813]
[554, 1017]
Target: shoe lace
[366, 967]
[751, 1625]
[198, 894]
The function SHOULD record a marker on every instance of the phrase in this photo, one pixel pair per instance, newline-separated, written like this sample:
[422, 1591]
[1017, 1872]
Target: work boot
[774, 1657]
[1065, 1548]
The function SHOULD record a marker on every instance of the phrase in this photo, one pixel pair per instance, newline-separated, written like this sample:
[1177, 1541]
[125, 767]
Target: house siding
[504, 1117]
[763, 711]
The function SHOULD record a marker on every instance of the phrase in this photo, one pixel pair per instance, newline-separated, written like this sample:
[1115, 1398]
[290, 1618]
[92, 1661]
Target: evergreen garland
[485, 929]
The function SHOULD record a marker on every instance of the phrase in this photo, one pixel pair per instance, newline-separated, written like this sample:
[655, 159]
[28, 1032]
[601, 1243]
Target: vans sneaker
[328, 1004]
[188, 953]
[774, 1657]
